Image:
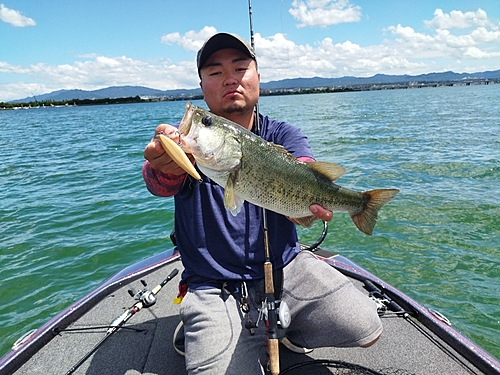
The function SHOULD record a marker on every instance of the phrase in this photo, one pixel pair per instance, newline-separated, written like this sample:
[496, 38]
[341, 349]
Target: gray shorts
[326, 309]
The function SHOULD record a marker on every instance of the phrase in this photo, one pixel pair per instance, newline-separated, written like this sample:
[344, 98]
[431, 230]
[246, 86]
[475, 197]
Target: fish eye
[206, 120]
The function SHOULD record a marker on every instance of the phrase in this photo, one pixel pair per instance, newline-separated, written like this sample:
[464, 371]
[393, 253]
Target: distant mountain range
[111, 93]
[378, 79]
[285, 84]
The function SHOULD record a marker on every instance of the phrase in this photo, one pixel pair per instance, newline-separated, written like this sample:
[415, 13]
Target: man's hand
[318, 211]
[156, 155]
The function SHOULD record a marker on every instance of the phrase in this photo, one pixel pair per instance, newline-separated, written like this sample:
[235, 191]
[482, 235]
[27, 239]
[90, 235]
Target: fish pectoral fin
[331, 171]
[232, 202]
[306, 221]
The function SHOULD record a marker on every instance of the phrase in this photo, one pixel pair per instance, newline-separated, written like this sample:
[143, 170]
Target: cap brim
[222, 41]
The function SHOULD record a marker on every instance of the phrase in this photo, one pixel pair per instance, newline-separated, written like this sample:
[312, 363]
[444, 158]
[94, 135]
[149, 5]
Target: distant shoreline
[263, 92]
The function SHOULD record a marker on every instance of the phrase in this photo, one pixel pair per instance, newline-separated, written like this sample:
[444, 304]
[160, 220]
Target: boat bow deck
[145, 346]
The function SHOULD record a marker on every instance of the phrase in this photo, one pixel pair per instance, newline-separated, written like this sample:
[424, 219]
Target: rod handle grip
[274, 356]
[268, 277]
[172, 274]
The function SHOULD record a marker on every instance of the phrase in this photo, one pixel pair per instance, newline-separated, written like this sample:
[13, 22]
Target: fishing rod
[252, 44]
[257, 126]
[146, 298]
[271, 311]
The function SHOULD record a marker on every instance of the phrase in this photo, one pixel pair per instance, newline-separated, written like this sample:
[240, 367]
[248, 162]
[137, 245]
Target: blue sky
[52, 45]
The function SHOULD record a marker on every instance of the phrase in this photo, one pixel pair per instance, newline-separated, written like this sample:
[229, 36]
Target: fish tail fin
[366, 219]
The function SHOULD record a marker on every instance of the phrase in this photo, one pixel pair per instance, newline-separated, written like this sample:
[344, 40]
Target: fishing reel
[284, 316]
[279, 308]
[146, 296]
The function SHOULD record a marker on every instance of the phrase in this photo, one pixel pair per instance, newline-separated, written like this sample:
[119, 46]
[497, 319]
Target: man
[223, 255]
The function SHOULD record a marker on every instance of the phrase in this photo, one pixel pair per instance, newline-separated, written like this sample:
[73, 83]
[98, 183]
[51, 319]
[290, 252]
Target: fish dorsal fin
[331, 171]
[280, 148]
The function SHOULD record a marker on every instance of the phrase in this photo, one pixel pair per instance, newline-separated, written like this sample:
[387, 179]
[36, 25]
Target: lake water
[74, 208]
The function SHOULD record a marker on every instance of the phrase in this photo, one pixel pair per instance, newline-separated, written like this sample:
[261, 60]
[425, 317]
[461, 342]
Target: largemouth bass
[260, 172]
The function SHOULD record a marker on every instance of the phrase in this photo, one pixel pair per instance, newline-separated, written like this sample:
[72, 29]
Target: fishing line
[283, 32]
[314, 246]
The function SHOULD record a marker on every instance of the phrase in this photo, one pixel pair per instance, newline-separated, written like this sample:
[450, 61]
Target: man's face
[230, 83]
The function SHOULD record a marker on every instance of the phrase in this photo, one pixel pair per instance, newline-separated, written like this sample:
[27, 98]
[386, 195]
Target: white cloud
[481, 35]
[404, 51]
[14, 17]
[457, 19]
[324, 12]
[444, 43]
[281, 58]
[191, 40]
[96, 73]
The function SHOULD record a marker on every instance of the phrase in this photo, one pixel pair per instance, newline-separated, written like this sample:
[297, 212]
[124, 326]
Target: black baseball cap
[221, 41]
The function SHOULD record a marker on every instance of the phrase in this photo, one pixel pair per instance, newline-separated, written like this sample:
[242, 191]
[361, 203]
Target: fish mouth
[173, 148]
[187, 119]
